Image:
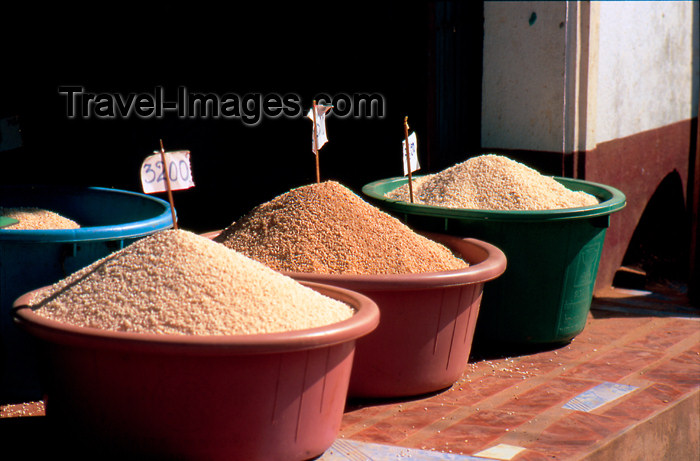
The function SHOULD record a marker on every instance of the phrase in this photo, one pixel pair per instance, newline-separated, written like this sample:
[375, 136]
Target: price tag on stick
[317, 114]
[165, 172]
[410, 156]
[179, 172]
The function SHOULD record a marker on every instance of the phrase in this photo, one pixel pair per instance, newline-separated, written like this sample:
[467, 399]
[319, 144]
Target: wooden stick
[408, 158]
[166, 171]
[318, 172]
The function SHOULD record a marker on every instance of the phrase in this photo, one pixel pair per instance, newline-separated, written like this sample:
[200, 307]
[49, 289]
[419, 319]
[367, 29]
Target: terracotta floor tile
[532, 455]
[495, 418]
[642, 403]
[404, 422]
[596, 426]
[663, 338]
[370, 407]
[554, 450]
[581, 348]
[541, 364]
[662, 393]
[604, 331]
[682, 326]
[681, 372]
[567, 353]
[474, 391]
[512, 368]
[695, 348]
[555, 392]
[573, 433]
[356, 413]
[692, 358]
[381, 432]
[23, 409]
[615, 365]
[462, 439]
[423, 414]
[601, 370]
[351, 418]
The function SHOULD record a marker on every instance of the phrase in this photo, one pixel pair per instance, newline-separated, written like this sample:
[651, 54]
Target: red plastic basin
[239, 397]
[423, 341]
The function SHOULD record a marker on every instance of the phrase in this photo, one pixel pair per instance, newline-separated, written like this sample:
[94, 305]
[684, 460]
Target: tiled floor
[638, 356]
[628, 384]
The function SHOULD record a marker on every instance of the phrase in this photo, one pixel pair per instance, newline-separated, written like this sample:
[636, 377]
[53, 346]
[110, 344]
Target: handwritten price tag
[178, 170]
[413, 152]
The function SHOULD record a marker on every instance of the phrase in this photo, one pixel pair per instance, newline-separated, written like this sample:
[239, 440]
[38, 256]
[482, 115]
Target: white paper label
[412, 151]
[321, 136]
[178, 169]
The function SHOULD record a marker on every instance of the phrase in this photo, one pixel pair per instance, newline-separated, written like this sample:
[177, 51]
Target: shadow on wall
[659, 247]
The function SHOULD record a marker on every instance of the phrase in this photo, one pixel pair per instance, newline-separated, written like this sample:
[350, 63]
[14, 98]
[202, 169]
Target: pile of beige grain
[492, 182]
[326, 228]
[177, 282]
[32, 218]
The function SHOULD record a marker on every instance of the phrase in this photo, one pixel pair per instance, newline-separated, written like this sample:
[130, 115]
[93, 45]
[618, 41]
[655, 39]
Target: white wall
[523, 75]
[645, 66]
[640, 73]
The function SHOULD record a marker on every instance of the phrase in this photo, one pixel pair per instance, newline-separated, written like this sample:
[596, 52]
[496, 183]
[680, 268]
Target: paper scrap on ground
[351, 450]
[501, 451]
[598, 396]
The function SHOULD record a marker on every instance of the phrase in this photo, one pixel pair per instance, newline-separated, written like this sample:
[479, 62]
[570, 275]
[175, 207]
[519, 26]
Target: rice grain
[326, 228]
[177, 282]
[32, 218]
[492, 182]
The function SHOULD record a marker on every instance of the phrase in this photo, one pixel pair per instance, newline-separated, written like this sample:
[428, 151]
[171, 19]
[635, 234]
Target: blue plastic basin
[109, 218]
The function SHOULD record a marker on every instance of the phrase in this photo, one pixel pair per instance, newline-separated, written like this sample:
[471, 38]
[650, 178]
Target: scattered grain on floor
[492, 182]
[32, 218]
[326, 228]
[20, 410]
[177, 282]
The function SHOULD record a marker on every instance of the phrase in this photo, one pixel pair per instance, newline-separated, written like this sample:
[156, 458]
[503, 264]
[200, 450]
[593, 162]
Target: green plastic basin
[545, 294]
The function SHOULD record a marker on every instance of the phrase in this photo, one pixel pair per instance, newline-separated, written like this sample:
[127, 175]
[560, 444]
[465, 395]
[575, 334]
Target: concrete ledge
[671, 434]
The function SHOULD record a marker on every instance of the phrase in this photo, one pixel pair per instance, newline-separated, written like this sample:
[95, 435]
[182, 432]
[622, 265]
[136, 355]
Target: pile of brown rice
[492, 182]
[32, 218]
[326, 228]
[177, 282]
